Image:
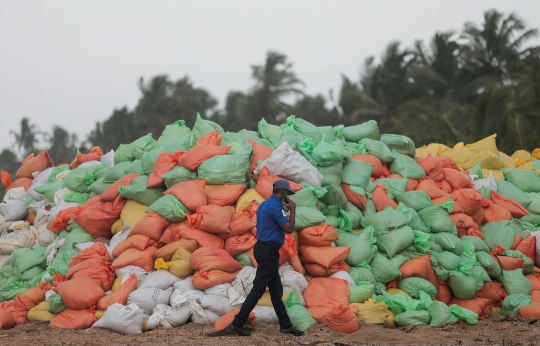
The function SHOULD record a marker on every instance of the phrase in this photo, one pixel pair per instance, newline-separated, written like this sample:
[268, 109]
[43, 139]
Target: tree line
[458, 87]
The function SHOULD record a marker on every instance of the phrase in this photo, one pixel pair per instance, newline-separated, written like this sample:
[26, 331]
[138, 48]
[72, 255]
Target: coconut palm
[27, 138]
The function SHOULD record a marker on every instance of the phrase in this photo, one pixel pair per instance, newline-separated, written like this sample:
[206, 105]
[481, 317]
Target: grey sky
[72, 62]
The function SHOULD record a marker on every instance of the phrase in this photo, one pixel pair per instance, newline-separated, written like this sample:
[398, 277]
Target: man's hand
[290, 205]
[289, 226]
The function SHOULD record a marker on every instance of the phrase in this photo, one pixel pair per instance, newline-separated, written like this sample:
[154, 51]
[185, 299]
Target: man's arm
[289, 226]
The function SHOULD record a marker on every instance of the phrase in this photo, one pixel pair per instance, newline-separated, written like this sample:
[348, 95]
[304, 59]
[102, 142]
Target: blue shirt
[270, 218]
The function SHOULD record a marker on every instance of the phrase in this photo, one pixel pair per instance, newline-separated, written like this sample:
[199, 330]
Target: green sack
[402, 144]
[306, 217]
[331, 174]
[416, 222]
[142, 145]
[514, 282]
[413, 286]
[255, 136]
[532, 218]
[362, 245]
[169, 208]
[60, 264]
[76, 235]
[487, 262]
[138, 192]
[476, 170]
[28, 258]
[513, 302]
[172, 132]
[498, 233]
[268, 131]
[527, 266]
[437, 219]
[525, 179]
[6, 272]
[362, 291]
[101, 170]
[324, 133]
[299, 316]
[48, 190]
[13, 287]
[149, 159]
[447, 260]
[511, 191]
[357, 173]
[124, 153]
[383, 270]
[478, 243]
[486, 193]
[244, 260]
[385, 220]
[377, 149]
[117, 172]
[356, 133]
[226, 169]
[464, 314]
[352, 214]
[449, 242]
[362, 274]
[441, 315]
[57, 170]
[334, 195]
[98, 187]
[135, 167]
[177, 175]
[80, 179]
[303, 127]
[416, 200]
[463, 286]
[534, 206]
[237, 142]
[308, 196]
[409, 318]
[204, 127]
[433, 246]
[392, 242]
[30, 273]
[323, 154]
[394, 186]
[56, 305]
[77, 197]
[406, 167]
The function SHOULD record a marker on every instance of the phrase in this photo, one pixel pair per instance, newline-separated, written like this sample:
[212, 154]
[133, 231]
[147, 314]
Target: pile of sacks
[161, 232]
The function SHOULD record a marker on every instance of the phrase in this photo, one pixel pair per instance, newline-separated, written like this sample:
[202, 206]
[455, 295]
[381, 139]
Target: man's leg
[262, 279]
[276, 293]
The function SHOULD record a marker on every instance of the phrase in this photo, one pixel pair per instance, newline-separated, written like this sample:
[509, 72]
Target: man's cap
[283, 185]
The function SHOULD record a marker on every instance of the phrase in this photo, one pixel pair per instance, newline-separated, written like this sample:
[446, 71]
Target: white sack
[161, 279]
[219, 290]
[128, 271]
[58, 208]
[42, 217]
[13, 209]
[217, 304]
[4, 259]
[148, 298]
[108, 158]
[175, 316]
[343, 275]
[241, 285]
[184, 284]
[122, 319]
[266, 314]
[118, 238]
[15, 194]
[490, 183]
[41, 179]
[45, 236]
[89, 164]
[15, 240]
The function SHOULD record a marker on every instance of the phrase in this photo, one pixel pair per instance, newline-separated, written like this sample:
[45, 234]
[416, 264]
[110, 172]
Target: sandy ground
[494, 331]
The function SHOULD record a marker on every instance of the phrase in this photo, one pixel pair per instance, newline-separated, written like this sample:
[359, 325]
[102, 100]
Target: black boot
[240, 331]
[292, 331]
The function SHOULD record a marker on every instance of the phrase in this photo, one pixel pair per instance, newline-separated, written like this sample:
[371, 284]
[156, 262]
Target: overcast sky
[72, 62]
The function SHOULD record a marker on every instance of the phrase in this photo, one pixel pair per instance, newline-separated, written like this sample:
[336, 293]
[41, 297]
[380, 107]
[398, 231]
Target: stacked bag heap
[160, 233]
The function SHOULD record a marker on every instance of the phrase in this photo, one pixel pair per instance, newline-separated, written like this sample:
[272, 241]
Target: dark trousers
[267, 257]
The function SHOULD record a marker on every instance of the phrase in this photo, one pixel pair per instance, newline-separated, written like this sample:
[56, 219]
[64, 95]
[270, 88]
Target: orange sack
[138, 241]
[134, 257]
[494, 212]
[183, 230]
[260, 153]
[488, 292]
[381, 200]
[419, 267]
[430, 188]
[167, 251]
[319, 235]
[63, 217]
[120, 296]
[212, 139]
[94, 154]
[447, 162]
[152, 225]
[242, 222]
[21, 182]
[19, 309]
[6, 320]
[509, 263]
[326, 292]
[516, 210]
[341, 319]
[37, 295]
[223, 195]
[111, 193]
[238, 244]
[372, 160]
[212, 218]
[165, 162]
[323, 256]
[527, 247]
[72, 319]
[211, 258]
[316, 270]
[225, 320]
[444, 294]
[265, 183]
[480, 306]
[34, 164]
[190, 193]
[358, 200]
[432, 167]
[469, 200]
[204, 280]
[99, 218]
[200, 153]
[98, 250]
[456, 179]
[81, 293]
[94, 269]
[530, 311]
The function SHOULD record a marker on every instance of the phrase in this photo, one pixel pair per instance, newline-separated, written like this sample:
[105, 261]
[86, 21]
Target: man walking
[272, 224]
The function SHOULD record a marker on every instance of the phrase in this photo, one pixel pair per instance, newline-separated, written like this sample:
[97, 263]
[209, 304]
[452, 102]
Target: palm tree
[62, 145]
[9, 162]
[27, 138]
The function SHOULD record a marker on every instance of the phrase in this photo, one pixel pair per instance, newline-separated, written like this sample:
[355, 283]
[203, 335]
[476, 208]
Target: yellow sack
[426, 151]
[460, 156]
[394, 291]
[99, 314]
[179, 264]
[40, 312]
[496, 311]
[267, 301]
[459, 145]
[487, 143]
[375, 313]
[497, 174]
[536, 153]
[247, 197]
[508, 161]
[522, 156]
[441, 148]
[486, 159]
[144, 327]
[133, 212]
[117, 226]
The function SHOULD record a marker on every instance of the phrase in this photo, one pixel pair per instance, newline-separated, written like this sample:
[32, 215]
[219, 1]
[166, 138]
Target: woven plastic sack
[138, 191]
[205, 127]
[406, 167]
[402, 144]
[226, 169]
[514, 302]
[513, 192]
[358, 132]
[169, 208]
